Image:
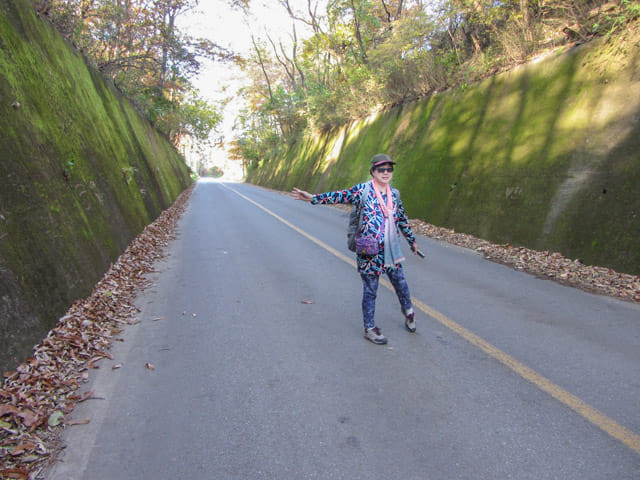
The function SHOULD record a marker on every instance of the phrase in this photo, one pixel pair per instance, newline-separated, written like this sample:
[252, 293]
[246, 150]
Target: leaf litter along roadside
[551, 265]
[36, 397]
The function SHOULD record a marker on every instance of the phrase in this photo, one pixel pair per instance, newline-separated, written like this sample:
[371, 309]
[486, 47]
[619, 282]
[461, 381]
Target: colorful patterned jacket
[372, 221]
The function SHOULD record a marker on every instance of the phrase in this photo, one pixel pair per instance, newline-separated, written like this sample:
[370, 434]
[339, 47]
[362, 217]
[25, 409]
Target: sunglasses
[384, 169]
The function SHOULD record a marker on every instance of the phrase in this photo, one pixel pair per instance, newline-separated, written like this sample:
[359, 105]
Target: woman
[383, 218]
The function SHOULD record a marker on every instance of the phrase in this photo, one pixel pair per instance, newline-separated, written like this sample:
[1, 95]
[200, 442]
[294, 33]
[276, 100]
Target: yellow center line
[599, 419]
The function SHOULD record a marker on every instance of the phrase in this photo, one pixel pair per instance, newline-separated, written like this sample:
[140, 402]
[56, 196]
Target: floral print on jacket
[372, 221]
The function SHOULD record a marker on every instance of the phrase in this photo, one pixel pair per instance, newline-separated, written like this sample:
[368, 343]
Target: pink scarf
[387, 209]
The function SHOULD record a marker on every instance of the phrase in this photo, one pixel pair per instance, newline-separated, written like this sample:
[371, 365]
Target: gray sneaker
[374, 335]
[410, 322]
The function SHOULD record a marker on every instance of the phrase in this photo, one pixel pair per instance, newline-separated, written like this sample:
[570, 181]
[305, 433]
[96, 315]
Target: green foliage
[191, 117]
[199, 118]
[259, 141]
[612, 21]
[215, 172]
[404, 65]
[324, 105]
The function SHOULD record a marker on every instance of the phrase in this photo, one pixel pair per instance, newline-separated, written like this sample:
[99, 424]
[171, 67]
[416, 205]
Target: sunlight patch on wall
[334, 153]
[576, 179]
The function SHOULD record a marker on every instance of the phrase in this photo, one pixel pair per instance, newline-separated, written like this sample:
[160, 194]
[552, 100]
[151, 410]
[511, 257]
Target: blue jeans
[370, 292]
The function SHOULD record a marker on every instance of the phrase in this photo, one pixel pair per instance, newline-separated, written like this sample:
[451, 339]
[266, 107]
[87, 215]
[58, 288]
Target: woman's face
[382, 174]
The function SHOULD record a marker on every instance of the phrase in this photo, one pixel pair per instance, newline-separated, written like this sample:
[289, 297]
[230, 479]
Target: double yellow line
[608, 425]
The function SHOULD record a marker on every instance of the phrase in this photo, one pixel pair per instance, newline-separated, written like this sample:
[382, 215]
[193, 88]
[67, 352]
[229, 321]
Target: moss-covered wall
[81, 174]
[546, 155]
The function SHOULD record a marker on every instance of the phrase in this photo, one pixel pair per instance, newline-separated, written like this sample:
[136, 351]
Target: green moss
[82, 174]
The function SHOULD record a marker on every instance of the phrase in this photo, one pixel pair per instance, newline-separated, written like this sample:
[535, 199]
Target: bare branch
[313, 22]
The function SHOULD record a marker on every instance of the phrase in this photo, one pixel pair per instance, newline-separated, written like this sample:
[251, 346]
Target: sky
[213, 19]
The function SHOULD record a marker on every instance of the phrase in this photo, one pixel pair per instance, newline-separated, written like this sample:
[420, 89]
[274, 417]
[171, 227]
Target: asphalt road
[260, 369]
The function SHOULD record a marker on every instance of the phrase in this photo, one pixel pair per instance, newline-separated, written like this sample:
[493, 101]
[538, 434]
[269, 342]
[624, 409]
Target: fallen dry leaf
[79, 399]
[77, 422]
[19, 473]
[28, 417]
[23, 447]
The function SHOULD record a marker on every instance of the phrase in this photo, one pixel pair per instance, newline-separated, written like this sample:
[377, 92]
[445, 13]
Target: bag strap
[363, 200]
[396, 192]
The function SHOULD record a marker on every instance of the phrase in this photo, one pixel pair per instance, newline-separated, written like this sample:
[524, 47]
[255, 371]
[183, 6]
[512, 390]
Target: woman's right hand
[301, 195]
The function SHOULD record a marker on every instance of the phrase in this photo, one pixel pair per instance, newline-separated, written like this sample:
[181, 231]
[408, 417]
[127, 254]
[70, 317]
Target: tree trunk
[356, 25]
